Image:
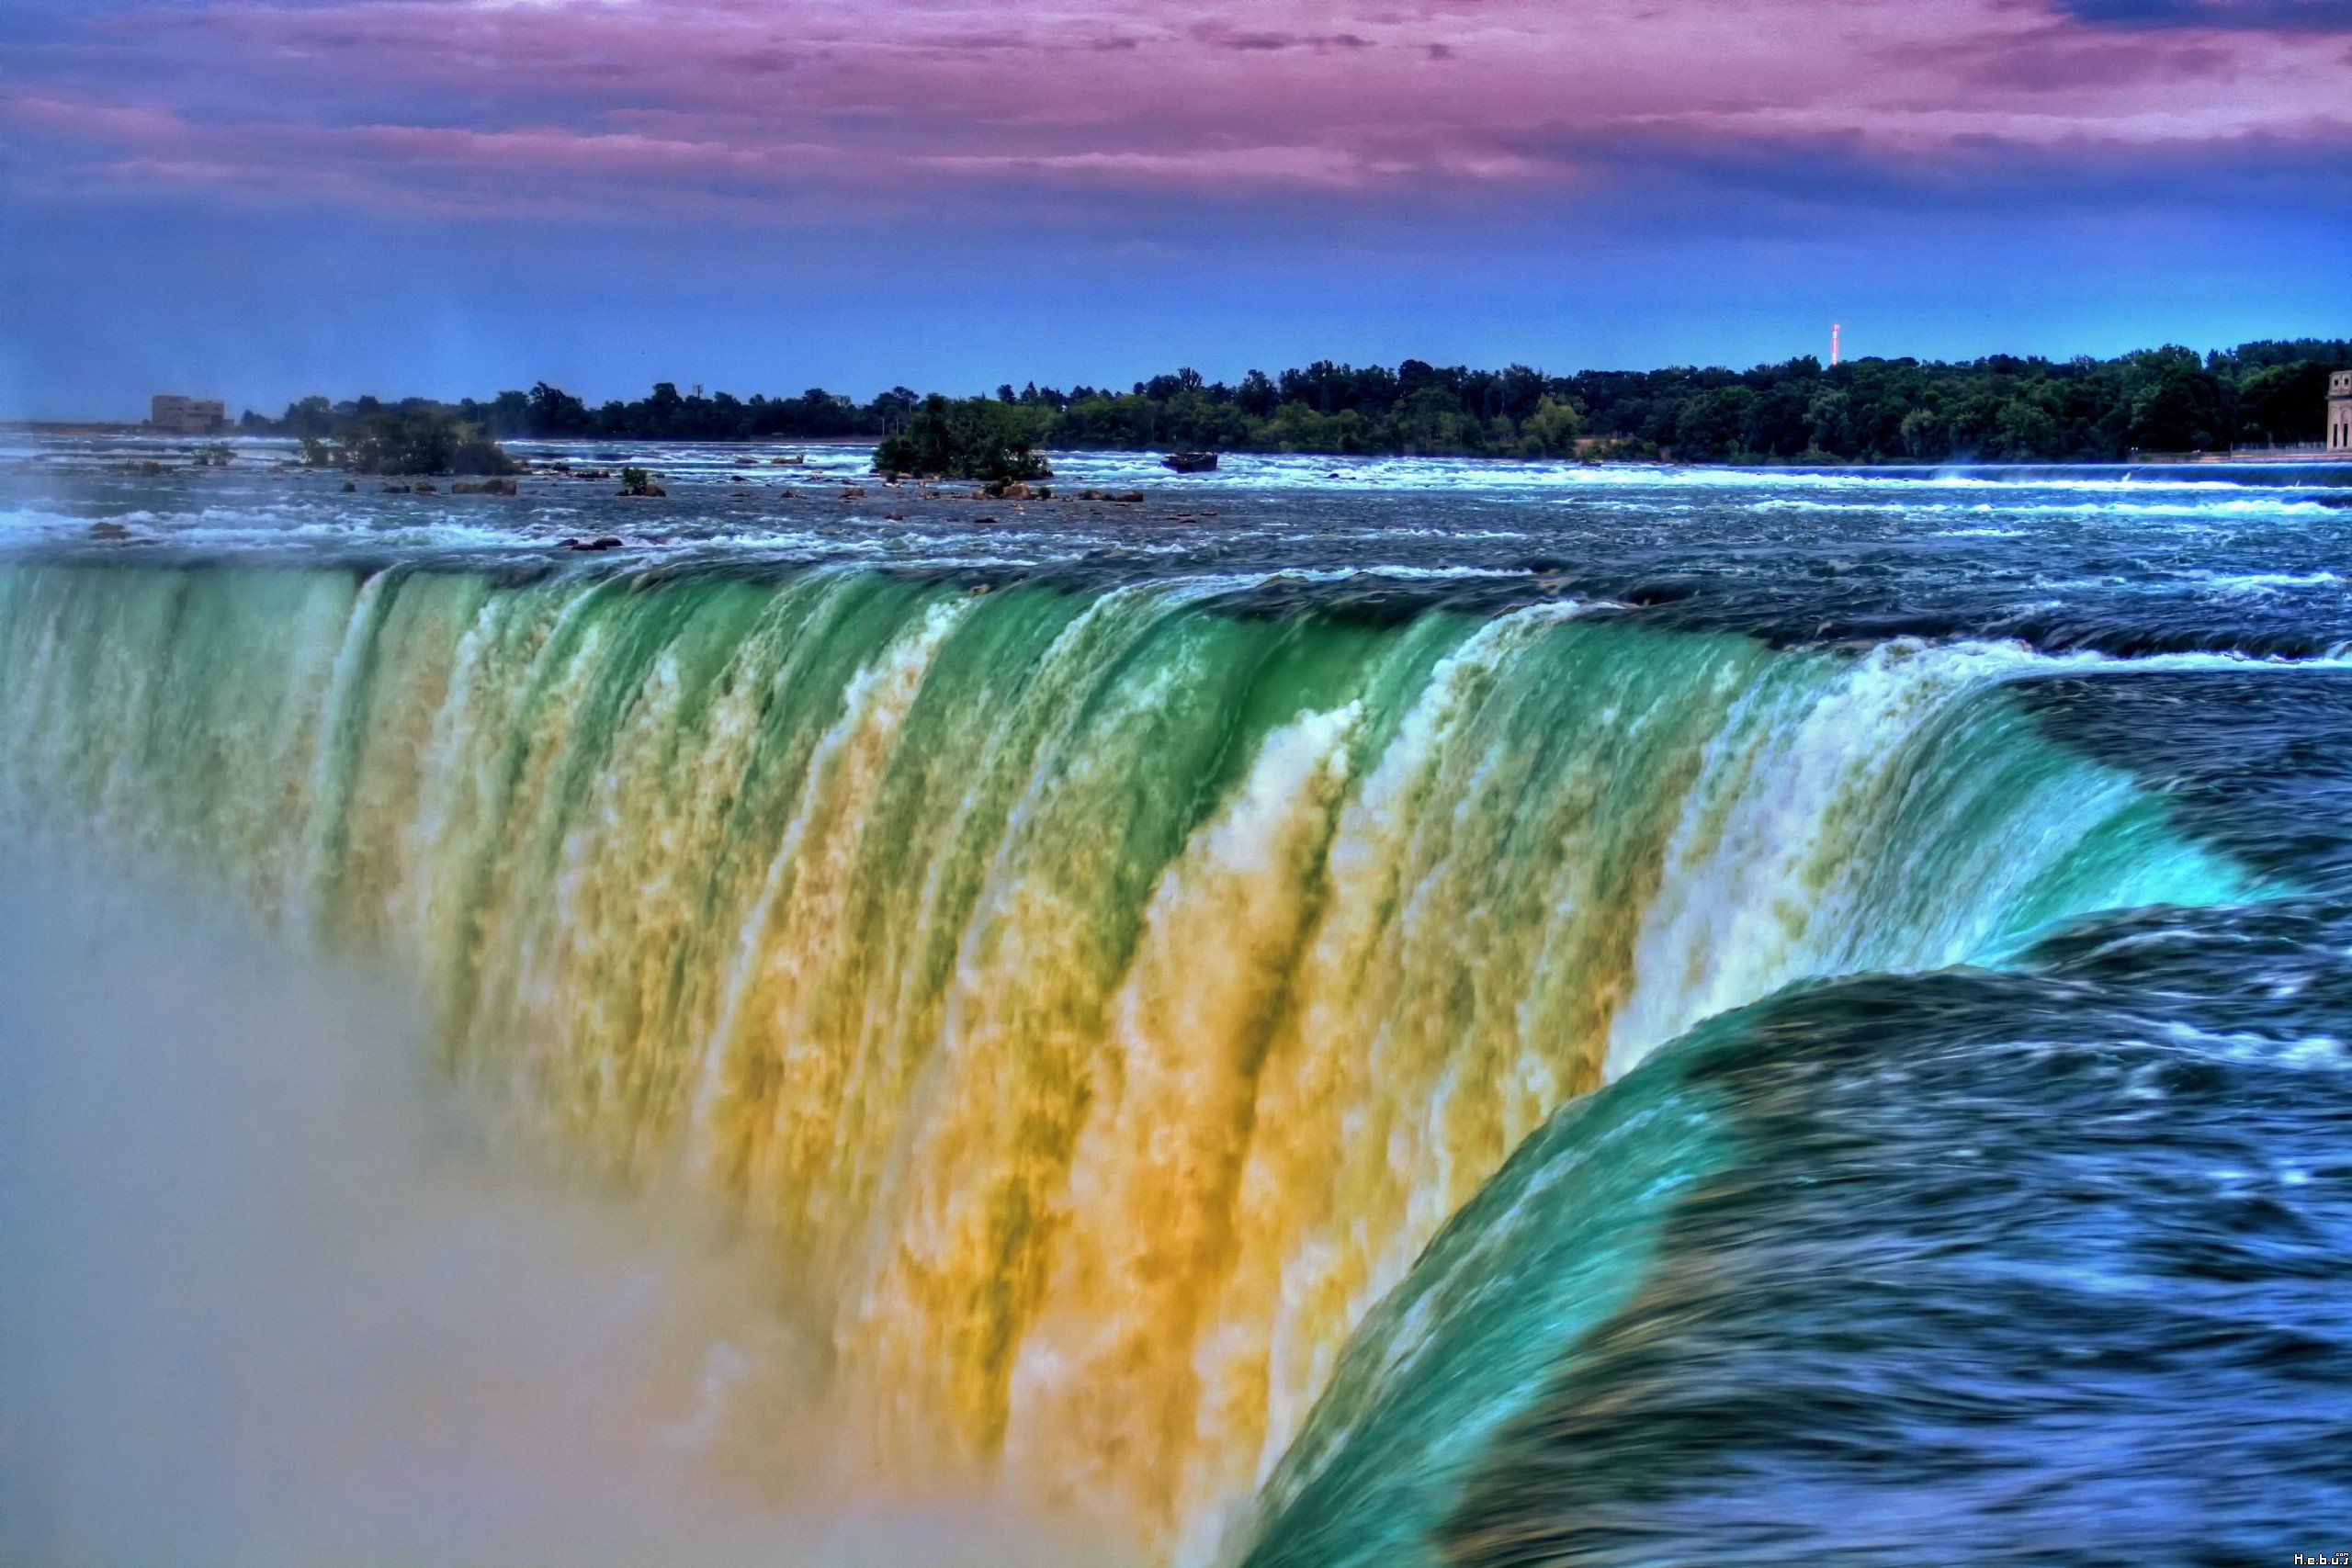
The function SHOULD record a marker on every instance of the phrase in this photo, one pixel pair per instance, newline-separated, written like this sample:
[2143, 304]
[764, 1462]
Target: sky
[259, 200]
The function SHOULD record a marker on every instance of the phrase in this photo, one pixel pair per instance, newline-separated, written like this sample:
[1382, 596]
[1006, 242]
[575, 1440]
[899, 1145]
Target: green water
[1100, 998]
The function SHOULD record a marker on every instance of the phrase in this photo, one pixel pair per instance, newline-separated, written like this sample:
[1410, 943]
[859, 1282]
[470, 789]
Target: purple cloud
[662, 101]
[1197, 158]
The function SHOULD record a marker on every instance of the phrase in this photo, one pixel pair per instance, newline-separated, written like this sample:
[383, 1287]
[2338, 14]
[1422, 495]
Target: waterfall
[1100, 996]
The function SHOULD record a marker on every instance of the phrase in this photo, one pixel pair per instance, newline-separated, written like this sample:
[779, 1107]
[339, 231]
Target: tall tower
[2339, 413]
[1834, 329]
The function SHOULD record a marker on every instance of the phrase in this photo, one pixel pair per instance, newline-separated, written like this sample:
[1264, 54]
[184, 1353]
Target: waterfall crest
[1101, 998]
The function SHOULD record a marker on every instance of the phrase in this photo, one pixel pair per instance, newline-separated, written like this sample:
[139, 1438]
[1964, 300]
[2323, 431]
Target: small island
[970, 439]
[412, 440]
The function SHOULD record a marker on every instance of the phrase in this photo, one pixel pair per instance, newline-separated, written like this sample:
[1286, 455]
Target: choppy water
[2121, 560]
[1353, 1011]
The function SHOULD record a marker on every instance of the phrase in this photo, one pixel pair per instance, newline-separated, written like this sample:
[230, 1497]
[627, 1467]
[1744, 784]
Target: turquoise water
[1318, 1034]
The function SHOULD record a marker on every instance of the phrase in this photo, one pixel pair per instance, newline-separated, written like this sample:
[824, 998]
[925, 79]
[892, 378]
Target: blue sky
[264, 198]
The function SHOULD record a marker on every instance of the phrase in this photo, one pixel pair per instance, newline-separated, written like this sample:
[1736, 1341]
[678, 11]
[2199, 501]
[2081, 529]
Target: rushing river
[1348, 1011]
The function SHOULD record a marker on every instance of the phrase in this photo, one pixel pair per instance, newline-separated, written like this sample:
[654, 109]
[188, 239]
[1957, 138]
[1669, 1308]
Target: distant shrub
[1552, 430]
[420, 441]
[971, 438]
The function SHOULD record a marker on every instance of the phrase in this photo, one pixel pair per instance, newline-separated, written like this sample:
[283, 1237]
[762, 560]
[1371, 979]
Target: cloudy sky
[257, 199]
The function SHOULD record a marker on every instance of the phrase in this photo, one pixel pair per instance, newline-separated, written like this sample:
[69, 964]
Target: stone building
[188, 416]
[2339, 413]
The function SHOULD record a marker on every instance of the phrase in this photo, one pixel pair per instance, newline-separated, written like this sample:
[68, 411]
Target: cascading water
[1959, 1264]
[1100, 996]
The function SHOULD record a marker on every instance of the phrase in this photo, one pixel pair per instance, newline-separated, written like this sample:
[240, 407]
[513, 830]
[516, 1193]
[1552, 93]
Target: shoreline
[2153, 462]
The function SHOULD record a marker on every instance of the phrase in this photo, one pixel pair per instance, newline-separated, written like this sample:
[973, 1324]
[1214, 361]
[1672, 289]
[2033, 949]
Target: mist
[273, 1292]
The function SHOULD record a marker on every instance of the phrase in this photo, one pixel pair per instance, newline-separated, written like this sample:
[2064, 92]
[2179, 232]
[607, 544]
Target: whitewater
[1351, 1011]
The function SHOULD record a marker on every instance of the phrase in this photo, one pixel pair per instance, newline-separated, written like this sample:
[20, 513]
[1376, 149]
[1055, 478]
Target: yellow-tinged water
[1098, 999]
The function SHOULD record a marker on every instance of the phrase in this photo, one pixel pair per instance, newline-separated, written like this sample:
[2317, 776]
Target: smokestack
[1833, 344]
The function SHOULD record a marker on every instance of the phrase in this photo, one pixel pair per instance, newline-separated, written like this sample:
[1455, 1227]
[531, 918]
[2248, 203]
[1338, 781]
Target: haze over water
[1380, 1012]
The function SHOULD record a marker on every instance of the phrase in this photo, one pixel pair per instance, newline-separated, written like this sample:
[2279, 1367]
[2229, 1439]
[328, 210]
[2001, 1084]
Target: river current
[1342, 1012]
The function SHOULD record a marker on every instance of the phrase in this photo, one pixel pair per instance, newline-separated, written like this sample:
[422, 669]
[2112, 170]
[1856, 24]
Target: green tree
[1297, 427]
[312, 416]
[1924, 436]
[973, 438]
[1972, 424]
[2285, 403]
[1774, 425]
[419, 441]
[2026, 431]
[1707, 428]
[1829, 418]
[1552, 430]
[2178, 405]
[1431, 420]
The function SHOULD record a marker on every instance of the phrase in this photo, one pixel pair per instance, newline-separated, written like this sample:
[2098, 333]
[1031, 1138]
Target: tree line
[1999, 409]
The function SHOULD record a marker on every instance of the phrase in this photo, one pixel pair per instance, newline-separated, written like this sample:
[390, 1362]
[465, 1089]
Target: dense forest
[2001, 409]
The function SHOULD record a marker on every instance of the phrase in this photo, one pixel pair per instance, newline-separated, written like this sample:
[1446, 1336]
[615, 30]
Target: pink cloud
[496, 103]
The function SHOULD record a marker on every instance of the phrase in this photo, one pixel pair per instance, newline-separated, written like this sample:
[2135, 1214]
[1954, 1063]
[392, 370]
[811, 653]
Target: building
[188, 416]
[2339, 413]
